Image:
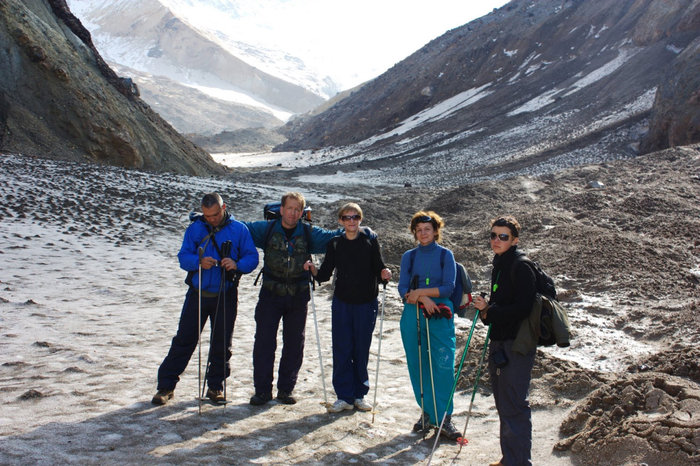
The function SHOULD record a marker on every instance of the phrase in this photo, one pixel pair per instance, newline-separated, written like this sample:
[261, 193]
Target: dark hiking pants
[510, 386]
[291, 310]
[352, 329]
[187, 337]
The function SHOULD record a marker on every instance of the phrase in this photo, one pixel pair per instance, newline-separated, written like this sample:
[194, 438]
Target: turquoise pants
[442, 349]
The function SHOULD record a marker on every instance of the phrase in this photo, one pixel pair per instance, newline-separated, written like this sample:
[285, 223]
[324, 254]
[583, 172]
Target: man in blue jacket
[288, 244]
[224, 249]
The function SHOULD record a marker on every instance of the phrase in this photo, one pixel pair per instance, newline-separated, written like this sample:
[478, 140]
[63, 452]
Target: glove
[444, 311]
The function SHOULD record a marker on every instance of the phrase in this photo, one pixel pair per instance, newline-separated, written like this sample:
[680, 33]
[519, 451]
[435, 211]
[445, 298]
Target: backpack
[461, 296]
[548, 322]
[271, 211]
[543, 282]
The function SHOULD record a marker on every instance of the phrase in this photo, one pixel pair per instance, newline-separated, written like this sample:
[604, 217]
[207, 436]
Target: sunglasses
[350, 217]
[502, 237]
[424, 219]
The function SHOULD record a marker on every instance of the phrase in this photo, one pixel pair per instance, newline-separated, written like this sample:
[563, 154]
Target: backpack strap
[524, 259]
[412, 258]
[268, 234]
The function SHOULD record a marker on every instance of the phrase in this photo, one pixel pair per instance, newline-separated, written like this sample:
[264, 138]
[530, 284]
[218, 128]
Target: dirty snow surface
[90, 295]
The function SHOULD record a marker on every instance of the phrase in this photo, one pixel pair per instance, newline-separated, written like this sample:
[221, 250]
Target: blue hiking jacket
[197, 235]
[427, 266]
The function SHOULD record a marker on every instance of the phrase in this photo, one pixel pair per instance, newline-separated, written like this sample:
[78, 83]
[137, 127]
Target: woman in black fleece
[359, 267]
[512, 294]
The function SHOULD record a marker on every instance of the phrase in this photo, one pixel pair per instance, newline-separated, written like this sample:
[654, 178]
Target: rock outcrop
[675, 118]
[59, 99]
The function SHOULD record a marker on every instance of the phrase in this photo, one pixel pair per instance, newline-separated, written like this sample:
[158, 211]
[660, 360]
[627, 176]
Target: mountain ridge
[153, 37]
[513, 85]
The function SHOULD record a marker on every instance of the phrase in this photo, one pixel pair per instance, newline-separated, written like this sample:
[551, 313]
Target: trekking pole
[430, 366]
[225, 252]
[414, 285]
[318, 341]
[212, 324]
[454, 385]
[379, 353]
[462, 440]
[199, 327]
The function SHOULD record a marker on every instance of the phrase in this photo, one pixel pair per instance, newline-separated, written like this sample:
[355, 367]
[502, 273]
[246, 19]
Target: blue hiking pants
[442, 353]
[291, 310]
[187, 337]
[352, 327]
[510, 386]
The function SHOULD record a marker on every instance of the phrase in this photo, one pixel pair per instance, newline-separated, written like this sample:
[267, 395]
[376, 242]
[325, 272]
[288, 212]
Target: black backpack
[543, 282]
[272, 212]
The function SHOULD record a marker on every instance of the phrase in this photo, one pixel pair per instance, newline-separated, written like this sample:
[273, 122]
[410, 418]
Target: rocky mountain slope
[531, 87]
[192, 111]
[160, 41]
[59, 99]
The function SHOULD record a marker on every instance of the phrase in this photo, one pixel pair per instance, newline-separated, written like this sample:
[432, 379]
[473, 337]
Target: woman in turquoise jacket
[426, 282]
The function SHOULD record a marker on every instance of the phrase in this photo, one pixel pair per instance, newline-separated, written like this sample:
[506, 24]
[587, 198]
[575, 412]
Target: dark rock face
[59, 99]
[675, 119]
[528, 83]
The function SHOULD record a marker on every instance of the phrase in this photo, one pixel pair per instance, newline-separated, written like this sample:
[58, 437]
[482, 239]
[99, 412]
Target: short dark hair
[507, 221]
[210, 199]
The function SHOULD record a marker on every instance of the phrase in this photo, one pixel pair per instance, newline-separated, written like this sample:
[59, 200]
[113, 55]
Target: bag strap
[412, 258]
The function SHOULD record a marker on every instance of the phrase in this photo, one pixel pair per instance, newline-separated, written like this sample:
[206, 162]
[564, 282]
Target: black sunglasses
[503, 236]
[350, 217]
[424, 219]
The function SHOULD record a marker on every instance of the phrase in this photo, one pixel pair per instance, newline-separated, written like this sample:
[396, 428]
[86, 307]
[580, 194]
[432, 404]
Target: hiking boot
[163, 396]
[338, 406]
[217, 396]
[260, 398]
[449, 430]
[362, 405]
[418, 426]
[285, 398]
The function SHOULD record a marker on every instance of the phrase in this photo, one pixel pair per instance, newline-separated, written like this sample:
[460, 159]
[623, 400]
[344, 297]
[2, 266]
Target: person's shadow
[175, 433]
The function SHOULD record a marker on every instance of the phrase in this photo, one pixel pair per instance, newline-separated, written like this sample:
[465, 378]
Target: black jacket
[512, 295]
[358, 264]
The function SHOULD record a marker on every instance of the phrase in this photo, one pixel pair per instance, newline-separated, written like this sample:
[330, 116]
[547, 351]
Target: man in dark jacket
[206, 244]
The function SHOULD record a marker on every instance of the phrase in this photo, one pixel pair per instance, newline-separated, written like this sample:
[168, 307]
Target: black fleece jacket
[359, 266]
[512, 295]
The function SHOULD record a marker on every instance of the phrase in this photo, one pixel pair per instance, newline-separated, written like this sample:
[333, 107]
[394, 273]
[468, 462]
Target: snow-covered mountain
[193, 43]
